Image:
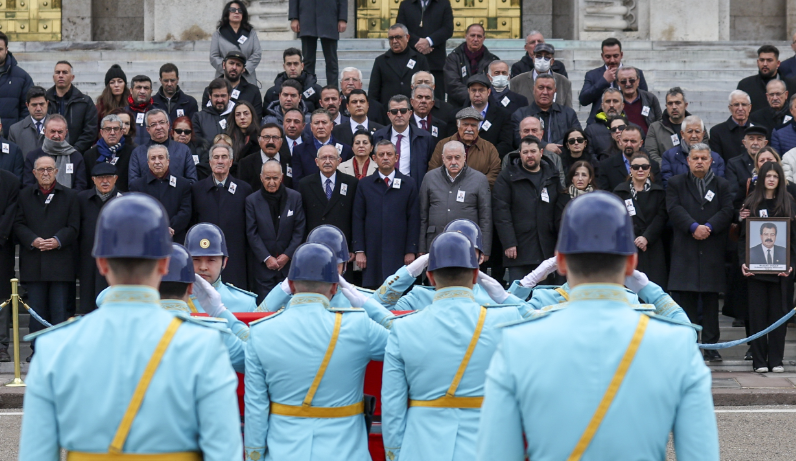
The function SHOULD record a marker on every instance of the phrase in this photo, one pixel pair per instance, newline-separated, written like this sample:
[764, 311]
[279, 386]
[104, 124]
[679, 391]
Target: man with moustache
[351, 79]
[234, 65]
[305, 154]
[112, 148]
[71, 173]
[481, 154]
[599, 131]
[767, 70]
[615, 169]
[272, 147]
[138, 104]
[359, 107]
[496, 126]
[180, 157]
[170, 96]
[212, 120]
[767, 252]
[665, 133]
[289, 98]
[423, 108]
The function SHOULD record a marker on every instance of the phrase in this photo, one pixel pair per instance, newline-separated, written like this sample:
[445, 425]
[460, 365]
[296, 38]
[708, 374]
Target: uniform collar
[132, 294]
[598, 292]
[454, 292]
[309, 298]
[217, 283]
[174, 305]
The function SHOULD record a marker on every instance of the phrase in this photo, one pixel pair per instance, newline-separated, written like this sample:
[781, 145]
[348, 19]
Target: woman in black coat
[646, 203]
[243, 129]
[576, 148]
[182, 131]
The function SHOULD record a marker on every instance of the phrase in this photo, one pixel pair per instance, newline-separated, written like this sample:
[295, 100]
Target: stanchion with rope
[17, 381]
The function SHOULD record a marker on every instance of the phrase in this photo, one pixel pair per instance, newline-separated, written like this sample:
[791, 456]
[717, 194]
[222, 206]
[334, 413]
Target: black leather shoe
[4, 357]
[715, 356]
[748, 355]
[29, 357]
[738, 323]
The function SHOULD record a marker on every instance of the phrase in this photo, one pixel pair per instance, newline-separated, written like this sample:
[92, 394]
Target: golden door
[31, 20]
[500, 18]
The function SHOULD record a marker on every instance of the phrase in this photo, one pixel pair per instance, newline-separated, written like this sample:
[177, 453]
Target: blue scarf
[105, 152]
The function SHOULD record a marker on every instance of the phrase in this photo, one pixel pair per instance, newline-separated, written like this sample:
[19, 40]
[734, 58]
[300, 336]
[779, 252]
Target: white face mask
[500, 82]
[541, 65]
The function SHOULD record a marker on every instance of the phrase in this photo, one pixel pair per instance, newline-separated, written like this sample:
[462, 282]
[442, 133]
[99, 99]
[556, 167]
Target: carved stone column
[269, 18]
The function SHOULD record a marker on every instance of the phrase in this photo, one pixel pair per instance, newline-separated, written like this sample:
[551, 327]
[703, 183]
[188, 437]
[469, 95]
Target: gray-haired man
[182, 162]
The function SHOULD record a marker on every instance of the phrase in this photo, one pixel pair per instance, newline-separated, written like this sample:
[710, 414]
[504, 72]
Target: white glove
[637, 281]
[418, 266]
[285, 287]
[357, 299]
[547, 267]
[208, 297]
[493, 288]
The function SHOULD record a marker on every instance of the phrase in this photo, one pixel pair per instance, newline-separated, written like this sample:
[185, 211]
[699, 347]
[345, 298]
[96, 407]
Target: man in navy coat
[304, 154]
[386, 220]
[597, 80]
[220, 199]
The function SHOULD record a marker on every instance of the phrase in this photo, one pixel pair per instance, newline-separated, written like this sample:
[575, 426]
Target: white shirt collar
[333, 178]
[266, 158]
[419, 119]
[338, 120]
[405, 133]
[40, 121]
[354, 124]
[391, 176]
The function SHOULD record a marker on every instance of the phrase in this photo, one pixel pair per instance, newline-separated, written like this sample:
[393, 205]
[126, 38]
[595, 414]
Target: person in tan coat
[481, 155]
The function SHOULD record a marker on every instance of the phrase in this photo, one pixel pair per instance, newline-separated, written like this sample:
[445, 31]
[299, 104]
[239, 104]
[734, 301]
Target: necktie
[387, 181]
[398, 151]
[768, 256]
[295, 144]
[424, 124]
[38, 127]
[328, 189]
[360, 127]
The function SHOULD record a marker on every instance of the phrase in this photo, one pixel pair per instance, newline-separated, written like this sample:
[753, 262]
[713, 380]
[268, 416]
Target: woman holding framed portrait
[768, 213]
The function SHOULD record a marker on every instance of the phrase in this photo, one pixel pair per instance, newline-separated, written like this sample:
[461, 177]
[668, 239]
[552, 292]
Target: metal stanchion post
[17, 382]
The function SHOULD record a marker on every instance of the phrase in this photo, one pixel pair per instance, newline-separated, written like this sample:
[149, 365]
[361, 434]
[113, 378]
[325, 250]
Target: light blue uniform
[283, 355]
[234, 298]
[278, 299]
[551, 398]
[423, 354]
[84, 373]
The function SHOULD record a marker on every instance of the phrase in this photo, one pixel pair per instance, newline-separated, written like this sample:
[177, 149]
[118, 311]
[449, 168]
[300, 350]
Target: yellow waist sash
[449, 400]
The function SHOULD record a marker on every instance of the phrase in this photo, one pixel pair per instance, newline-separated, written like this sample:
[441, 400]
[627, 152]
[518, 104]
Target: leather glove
[208, 297]
[417, 266]
[547, 267]
[285, 287]
[493, 288]
[637, 281]
[356, 298]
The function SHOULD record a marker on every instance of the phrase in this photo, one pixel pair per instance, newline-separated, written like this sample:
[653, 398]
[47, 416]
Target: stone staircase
[706, 71]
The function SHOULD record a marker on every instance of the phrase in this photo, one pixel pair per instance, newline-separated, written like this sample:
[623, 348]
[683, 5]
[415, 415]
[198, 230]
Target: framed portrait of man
[768, 245]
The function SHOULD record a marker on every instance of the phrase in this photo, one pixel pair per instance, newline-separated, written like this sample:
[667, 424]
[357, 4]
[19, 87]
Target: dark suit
[91, 282]
[758, 256]
[226, 209]
[249, 168]
[386, 225]
[436, 23]
[508, 100]
[266, 241]
[392, 75]
[755, 87]
[337, 211]
[376, 111]
[345, 134]
[307, 133]
[423, 145]
[593, 86]
[499, 131]
[78, 169]
[9, 197]
[612, 172]
[304, 157]
[175, 199]
[439, 120]
[13, 160]
[122, 164]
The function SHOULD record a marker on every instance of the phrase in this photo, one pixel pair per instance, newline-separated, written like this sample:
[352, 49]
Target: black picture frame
[756, 260]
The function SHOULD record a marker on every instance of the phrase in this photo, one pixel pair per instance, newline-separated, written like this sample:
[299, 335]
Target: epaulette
[275, 314]
[65, 323]
[345, 309]
[535, 316]
[208, 322]
[673, 321]
[489, 306]
[229, 285]
[644, 307]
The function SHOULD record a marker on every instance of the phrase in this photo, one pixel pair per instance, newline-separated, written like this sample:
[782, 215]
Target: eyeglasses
[637, 167]
[619, 128]
[45, 170]
[181, 131]
[269, 138]
[328, 158]
[395, 38]
[160, 123]
[402, 110]
[740, 104]
[776, 95]
[573, 141]
[628, 81]
[235, 10]
[111, 129]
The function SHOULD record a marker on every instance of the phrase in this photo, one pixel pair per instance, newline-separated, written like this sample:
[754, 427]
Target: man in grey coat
[454, 191]
[544, 58]
[324, 19]
[28, 133]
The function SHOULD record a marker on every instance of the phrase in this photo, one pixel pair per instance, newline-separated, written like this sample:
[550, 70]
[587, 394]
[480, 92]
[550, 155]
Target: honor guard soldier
[436, 360]
[130, 379]
[181, 282]
[208, 247]
[332, 237]
[629, 379]
[305, 370]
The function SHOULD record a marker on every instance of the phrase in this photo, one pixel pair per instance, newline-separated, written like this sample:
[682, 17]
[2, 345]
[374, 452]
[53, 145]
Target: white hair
[740, 93]
[351, 69]
[453, 145]
[693, 120]
[156, 147]
[433, 80]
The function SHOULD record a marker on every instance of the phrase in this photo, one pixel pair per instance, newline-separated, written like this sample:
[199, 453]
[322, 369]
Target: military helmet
[596, 223]
[134, 225]
[206, 239]
[452, 249]
[313, 262]
[180, 266]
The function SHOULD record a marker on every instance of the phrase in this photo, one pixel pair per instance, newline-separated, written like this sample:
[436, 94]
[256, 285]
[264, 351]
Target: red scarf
[139, 107]
[364, 169]
[47, 191]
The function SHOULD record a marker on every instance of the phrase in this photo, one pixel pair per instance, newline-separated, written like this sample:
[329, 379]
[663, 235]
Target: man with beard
[641, 107]
[665, 133]
[71, 173]
[181, 160]
[212, 119]
[767, 70]
[293, 65]
[615, 169]
[112, 148]
[289, 99]
[599, 131]
[330, 100]
[234, 65]
[138, 104]
[777, 112]
[392, 71]
[104, 175]
[272, 147]
[170, 97]
[350, 80]
[527, 203]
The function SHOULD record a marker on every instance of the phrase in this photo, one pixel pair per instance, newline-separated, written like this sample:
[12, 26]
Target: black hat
[103, 169]
[479, 78]
[752, 129]
[544, 47]
[236, 55]
[115, 72]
